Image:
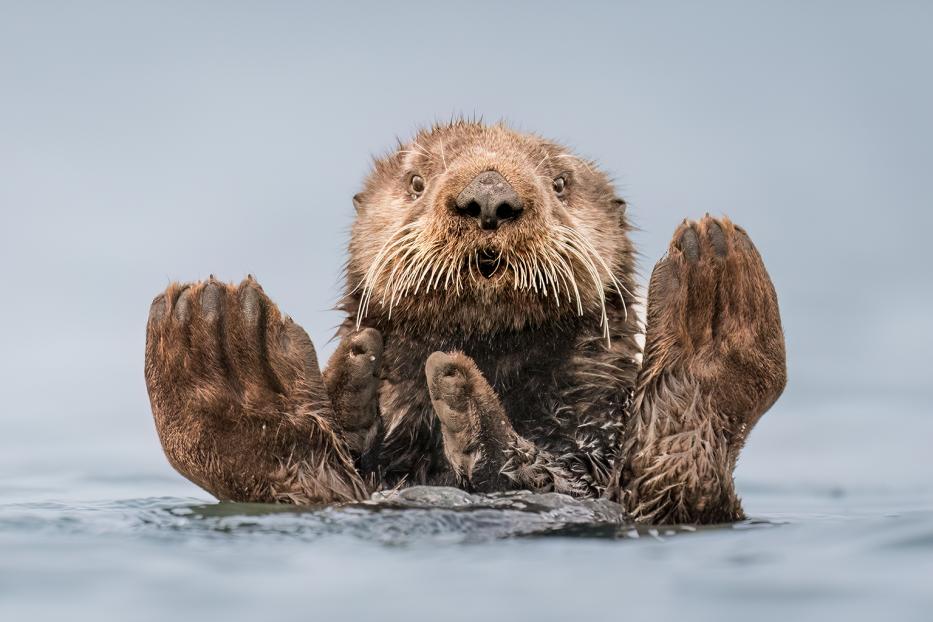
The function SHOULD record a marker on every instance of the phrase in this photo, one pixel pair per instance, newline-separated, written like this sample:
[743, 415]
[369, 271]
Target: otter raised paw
[714, 363]
[474, 427]
[238, 399]
[482, 448]
[352, 380]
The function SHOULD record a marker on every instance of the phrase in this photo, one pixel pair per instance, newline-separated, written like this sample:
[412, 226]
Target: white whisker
[408, 263]
[403, 236]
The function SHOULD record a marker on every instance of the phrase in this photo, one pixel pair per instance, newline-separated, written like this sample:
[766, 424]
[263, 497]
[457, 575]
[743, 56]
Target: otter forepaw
[214, 347]
[474, 426]
[238, 399]
[712, 310]
[352, 380]
[452, 383]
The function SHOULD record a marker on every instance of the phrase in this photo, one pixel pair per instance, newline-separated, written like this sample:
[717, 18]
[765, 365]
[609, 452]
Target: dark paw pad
[688, 242]
[716, 237]
[212, 297]
[182, 311]
[250, 297]
[157, 308]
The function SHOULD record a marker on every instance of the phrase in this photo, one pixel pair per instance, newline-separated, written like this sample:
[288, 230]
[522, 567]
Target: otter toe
[157, 308]
[250, 297]
[742, 239]
[212, 297]
[296, 345]
[182, 308]
[252, 332]
[688, 242]
[715, 237]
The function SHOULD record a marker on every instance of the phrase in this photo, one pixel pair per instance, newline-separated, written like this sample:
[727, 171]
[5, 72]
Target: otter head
[473, 229]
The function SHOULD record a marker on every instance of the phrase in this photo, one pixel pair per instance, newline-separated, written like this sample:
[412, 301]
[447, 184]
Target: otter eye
[416, 184]
[559, 184]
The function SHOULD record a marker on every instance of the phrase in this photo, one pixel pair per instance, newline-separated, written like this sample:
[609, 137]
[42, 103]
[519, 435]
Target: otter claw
[352, 381]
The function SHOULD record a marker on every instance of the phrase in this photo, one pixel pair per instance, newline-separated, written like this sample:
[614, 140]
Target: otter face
[483, 229]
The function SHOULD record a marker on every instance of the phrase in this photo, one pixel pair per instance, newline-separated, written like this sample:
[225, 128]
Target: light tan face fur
[414, 258]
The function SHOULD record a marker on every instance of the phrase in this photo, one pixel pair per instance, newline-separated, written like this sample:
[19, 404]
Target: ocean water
[112, 534]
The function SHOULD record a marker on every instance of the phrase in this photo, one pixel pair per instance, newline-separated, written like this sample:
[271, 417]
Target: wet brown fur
[528, 378]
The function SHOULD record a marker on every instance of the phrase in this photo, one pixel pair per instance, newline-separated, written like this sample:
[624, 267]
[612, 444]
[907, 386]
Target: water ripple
[411, 515]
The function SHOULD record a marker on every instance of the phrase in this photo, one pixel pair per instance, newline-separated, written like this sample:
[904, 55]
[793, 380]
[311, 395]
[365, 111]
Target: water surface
[113, 537]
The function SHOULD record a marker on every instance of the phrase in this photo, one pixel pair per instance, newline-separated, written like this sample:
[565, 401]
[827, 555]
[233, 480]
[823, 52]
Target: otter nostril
[507, 211]
[472, 209]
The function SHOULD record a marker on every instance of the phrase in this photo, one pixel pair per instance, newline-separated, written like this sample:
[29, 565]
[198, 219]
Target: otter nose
[489, 199]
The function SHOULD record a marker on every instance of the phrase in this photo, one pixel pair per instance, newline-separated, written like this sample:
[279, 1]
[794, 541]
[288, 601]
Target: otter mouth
[488, 261]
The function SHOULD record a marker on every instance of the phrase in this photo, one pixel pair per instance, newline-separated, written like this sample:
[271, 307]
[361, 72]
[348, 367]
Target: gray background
[146, 142]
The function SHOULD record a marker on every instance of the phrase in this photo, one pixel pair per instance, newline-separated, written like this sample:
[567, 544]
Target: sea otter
[489, 343]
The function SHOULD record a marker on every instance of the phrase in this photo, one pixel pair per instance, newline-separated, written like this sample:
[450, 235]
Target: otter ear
[621, 204]
[358, 201]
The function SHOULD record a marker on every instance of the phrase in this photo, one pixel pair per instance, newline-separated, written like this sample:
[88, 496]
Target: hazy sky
[146, 142]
